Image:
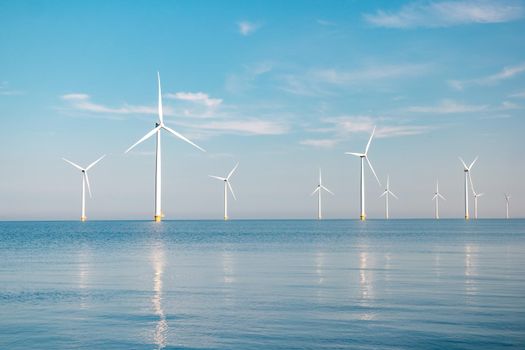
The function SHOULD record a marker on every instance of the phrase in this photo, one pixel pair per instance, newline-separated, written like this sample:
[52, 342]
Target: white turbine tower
[158, 178]
[436, 197]
[319, 189]
[466, 170]
[227, 185]
[364, 156]
[386, 193]
[85, 181]
[507, 200]
[476, 196]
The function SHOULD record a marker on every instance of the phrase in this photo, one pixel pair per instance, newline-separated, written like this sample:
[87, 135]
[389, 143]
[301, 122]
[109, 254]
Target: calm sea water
[263, 285]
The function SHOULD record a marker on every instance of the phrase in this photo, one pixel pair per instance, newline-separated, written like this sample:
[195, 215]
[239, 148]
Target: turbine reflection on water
[161, 328]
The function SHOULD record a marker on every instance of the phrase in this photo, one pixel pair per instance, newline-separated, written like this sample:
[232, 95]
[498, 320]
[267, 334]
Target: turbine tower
[227, 185]
[364, 156]
[85, 181]
[436, 197]
[476, 196]
[386, 193]
[466, 170]
[507, 200]
[319, 189]
[156, 131]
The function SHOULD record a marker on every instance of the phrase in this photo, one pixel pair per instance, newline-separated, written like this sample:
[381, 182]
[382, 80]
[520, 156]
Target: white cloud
[246, 28]
[244, 81]
[321, 81]
[448, 107]
[520, 94]
[320, 143]
[447, 13]
[506, 73]
[82, 102]
[251, 126]
[5, 90]
[197, 97]
[325, 23]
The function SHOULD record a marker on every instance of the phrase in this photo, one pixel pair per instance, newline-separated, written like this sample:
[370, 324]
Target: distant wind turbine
[386, 193]
[436, 197]
[507, 200]
[466, 170]
[227, 185]
[158, 175]
[319, 189]
[85, 181]
[364, 156]
[476, 196]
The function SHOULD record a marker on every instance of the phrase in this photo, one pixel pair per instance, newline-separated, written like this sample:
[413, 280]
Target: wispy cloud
[447, 13]
[506, 73]
[321, 81]
[448, 107]
[520, 94]
[244, 80]
[343, 127]
[325, 23]
[82, 102]
[196, 97]
[6, 90]
[251, 126]
[247, 28]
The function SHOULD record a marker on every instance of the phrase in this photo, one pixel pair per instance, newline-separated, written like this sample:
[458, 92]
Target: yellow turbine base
[362, 217]
[466, 217]
[83, 218]
[158, 218]
[225, 218]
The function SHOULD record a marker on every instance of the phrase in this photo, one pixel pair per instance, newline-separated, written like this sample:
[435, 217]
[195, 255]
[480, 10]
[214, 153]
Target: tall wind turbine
[85, 181]
[386, 193]
[319, 189]
[507, 200]
[364, 156]
[466, 170]
[476, 196]
[156, 131]
[436, 197]
[227, 185]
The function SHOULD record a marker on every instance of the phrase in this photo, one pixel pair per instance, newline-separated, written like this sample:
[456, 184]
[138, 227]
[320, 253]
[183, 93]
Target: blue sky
[282, 87]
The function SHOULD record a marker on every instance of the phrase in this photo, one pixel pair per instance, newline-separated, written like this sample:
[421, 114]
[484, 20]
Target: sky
[282, 87]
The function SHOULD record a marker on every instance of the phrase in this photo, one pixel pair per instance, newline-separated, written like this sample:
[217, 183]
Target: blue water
[395, 284]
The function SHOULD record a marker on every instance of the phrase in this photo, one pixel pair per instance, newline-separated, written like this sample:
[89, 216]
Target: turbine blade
[317, 189]
[95, 162]
[87, 182]
[373, 171]
[181, 137]
[161, 115]
[355, 154]
[327, 190]
[145, 137]
[73, 164]
[231, 190]
[462, 162]
[233, 170]
[393, 195]
[440, 196]
[435, 196]
[217, 177]
[474, 161]
[383, 194]
[320, 178]
[481, 194]
[370, 140]
[471, 184]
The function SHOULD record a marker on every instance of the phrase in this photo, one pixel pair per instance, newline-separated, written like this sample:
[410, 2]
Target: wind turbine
[227, 185]
[507, 200]
[85, 181]
[364, 156]
[436, 197]
[476, 195]
[466, 170]
[386, 193]
[156, 131]
[319, 189]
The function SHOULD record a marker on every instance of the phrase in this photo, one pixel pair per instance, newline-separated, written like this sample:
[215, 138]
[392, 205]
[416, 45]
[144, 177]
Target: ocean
[268, 284]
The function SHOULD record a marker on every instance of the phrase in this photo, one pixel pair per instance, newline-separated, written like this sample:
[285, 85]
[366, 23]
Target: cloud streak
[196, 97]
[506, 73]
[82, 102]
[448, 107]
[247, 28]
[434, 14]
